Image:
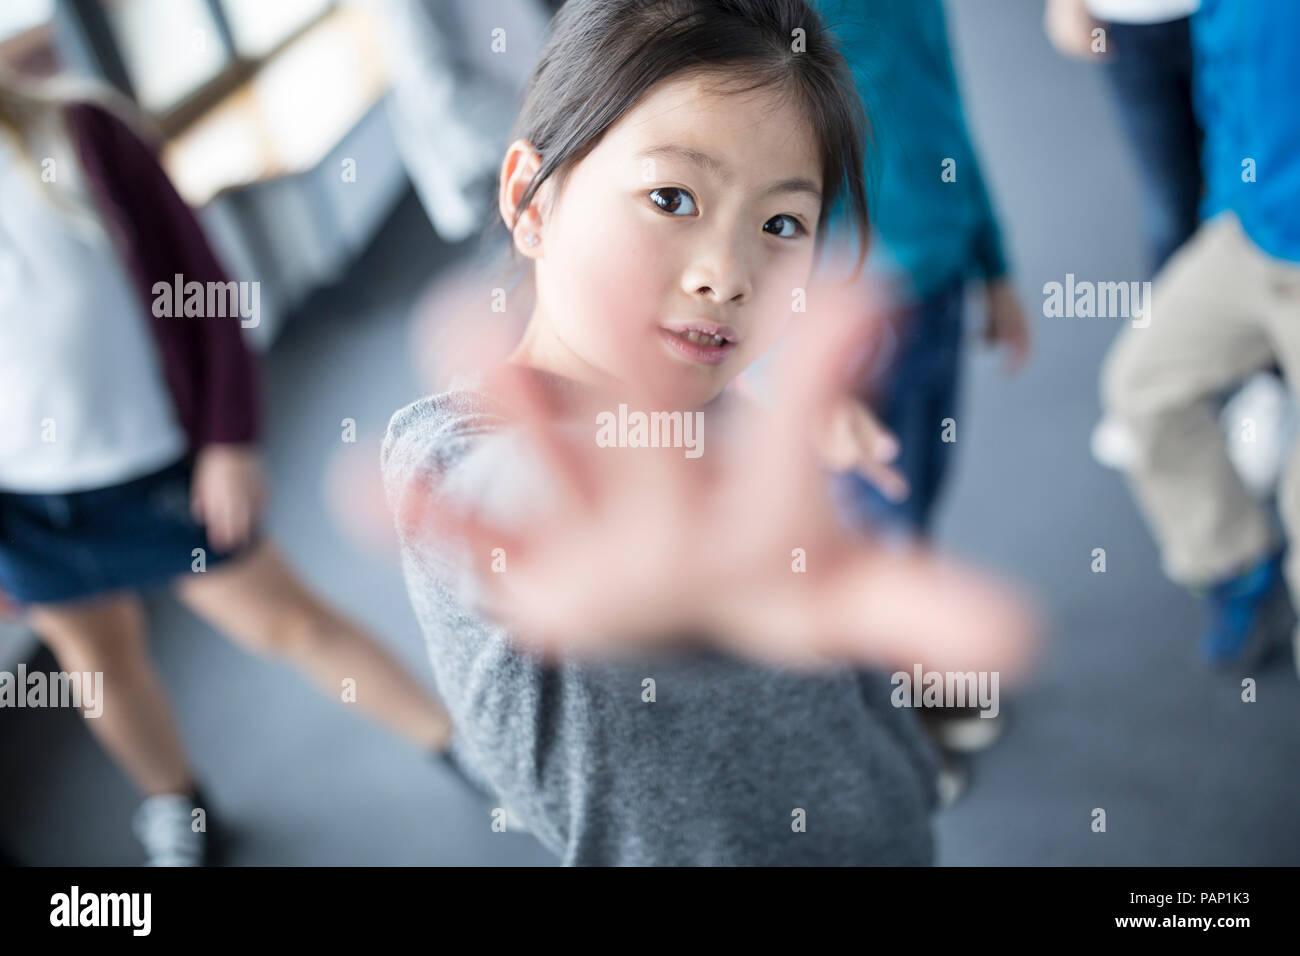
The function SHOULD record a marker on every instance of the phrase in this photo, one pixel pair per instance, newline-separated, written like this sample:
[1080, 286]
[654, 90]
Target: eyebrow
[720, 169]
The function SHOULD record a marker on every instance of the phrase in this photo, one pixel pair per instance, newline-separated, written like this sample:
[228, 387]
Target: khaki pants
[1221, 310]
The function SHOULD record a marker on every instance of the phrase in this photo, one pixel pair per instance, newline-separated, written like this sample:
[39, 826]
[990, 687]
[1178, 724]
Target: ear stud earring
[530, 240]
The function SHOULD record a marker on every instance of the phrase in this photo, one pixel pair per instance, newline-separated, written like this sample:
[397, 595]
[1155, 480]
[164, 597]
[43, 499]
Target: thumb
[197, 506]
[824, 348]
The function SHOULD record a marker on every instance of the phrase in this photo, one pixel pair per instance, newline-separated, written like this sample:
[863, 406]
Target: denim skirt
[129, 536]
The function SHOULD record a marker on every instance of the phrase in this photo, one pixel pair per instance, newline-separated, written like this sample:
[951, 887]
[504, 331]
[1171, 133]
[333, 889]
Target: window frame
[91, 20]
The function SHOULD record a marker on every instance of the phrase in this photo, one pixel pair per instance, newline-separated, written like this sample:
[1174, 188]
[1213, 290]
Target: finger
[910, 607]
[882, 444]
[1024, 345]
[355, 498]
[241, 522]
[1017, 353]
[1013, 361]
[886, 479]
[816, 367]
[219, 526]
[233, 509]
[259, 498]
[823, 349]
[211, 520]
[527, 401]
[427, 516]
[230, 522]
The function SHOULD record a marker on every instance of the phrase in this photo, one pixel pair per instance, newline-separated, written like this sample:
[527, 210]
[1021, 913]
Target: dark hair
[602, 56]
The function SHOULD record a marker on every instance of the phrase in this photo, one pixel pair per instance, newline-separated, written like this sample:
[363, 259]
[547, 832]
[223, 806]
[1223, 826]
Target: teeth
[703, 338]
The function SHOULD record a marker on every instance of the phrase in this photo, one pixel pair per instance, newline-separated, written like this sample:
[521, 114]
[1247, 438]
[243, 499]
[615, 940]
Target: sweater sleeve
[459, 450]
[987, 252]
[989, 256]
[207, 358]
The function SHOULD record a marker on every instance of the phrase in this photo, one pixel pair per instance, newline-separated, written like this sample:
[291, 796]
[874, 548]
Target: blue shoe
[1250, 615]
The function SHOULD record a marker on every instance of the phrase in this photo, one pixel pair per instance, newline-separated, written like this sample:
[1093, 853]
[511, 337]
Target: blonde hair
[31, 110]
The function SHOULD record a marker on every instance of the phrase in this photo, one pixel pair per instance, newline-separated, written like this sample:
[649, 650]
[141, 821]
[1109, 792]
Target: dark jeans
[1150, 73]
[912, 391]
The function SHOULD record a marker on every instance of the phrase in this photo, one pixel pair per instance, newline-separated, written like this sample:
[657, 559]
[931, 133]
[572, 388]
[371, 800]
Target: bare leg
[136, 726]
[260, 604]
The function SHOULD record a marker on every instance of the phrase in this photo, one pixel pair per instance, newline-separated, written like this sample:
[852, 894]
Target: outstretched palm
[740, 546]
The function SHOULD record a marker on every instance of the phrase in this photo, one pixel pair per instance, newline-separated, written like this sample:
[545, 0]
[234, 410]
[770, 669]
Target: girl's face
[671, 258]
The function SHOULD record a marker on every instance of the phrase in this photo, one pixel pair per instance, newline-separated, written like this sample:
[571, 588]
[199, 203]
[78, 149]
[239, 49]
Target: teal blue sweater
[929, 231]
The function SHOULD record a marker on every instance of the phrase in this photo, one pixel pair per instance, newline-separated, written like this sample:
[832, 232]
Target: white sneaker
[164, 824]
[1259, 424]
[1112, 445]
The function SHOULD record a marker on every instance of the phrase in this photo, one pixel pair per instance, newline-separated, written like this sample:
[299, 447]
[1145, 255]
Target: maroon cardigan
[210, 372]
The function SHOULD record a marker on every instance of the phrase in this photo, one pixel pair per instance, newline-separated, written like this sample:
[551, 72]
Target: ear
[518, 169]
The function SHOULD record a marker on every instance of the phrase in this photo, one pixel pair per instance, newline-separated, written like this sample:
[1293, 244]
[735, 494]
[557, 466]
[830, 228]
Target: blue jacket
[1247, 80]
[931, 231]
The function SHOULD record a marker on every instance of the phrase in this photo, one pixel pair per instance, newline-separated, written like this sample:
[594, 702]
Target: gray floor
[1120, 716]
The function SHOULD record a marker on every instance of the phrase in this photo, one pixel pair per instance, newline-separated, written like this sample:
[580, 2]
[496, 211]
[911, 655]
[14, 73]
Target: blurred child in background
[1225, 306]
[1146, 47]
[933, 232]
[128, 443]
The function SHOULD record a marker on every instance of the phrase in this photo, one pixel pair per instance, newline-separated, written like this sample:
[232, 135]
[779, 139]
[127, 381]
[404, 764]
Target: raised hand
[227, 493]
[1006, 324]
[641, 547]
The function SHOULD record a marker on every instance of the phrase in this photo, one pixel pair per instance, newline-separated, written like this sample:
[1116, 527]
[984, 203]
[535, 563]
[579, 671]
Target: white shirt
[1142, 11]
[83, 401]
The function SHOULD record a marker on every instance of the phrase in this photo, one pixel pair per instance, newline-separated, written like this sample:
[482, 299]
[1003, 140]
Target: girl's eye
[796, 228]
[671, 200]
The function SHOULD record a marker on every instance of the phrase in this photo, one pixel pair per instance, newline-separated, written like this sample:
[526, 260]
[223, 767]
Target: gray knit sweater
[730, 763]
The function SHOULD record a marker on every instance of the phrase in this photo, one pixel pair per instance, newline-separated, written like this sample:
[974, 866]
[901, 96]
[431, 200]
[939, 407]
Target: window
[170, 49]
[19, 16]
[25, 44]
[178, 58]
[258, 27]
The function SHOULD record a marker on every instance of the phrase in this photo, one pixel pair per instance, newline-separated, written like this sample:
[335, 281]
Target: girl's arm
[209, 368]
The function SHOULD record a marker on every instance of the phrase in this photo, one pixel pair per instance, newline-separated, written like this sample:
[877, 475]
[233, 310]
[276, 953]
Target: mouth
[707, 343]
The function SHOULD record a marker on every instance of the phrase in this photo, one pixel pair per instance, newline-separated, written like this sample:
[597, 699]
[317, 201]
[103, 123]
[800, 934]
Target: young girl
[673, 164]
[127, 442]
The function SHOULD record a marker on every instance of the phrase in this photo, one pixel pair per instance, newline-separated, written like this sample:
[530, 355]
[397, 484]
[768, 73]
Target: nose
[719, 276]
